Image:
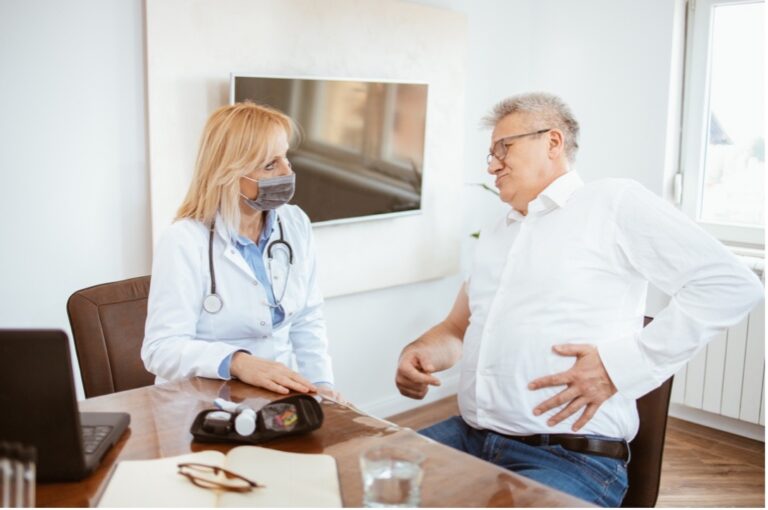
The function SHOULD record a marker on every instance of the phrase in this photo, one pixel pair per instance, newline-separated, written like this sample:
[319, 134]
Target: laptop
[39, 406]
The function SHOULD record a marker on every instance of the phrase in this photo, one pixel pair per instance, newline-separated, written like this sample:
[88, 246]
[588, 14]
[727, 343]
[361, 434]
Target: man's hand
[414, 372]
[588, 385]
[270, 375]
[436, 350]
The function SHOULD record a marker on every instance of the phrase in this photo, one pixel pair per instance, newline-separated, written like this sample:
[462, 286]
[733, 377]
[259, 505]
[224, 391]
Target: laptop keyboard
[93, 436]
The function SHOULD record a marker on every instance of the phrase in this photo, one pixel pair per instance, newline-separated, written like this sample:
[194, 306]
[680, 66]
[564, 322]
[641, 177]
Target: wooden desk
[161, 417]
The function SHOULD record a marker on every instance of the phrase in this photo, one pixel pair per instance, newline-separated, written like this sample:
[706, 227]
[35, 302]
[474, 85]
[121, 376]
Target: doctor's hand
[414, 372]
[587, 381]
[270, 375]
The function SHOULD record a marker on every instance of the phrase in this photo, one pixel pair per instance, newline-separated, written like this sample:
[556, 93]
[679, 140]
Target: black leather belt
[615, 449]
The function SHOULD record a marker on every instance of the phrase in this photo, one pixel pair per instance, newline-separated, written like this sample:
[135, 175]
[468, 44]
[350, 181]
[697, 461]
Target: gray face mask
[273, 192]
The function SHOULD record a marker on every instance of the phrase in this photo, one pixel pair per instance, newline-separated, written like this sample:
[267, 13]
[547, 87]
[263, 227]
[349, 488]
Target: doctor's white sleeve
[170, 349]
[710, 290]
[308, 335]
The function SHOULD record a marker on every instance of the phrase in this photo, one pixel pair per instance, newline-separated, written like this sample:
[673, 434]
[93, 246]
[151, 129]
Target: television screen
[362, 143]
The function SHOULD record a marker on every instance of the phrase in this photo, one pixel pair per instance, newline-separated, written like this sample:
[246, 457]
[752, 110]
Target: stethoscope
[213, 302]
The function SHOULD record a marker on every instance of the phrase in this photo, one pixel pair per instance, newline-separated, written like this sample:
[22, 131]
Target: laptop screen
[37, 395]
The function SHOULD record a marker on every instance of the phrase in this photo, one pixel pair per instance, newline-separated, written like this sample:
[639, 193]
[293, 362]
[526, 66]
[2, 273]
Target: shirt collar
[553, 196]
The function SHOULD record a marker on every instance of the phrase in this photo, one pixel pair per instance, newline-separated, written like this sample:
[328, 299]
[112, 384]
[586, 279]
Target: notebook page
[290, 479]
[156, 483]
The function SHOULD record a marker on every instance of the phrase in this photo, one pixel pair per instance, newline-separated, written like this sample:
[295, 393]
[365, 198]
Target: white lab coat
[182, 339]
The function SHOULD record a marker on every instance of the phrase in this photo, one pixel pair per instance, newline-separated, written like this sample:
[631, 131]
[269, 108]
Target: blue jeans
[600, 480]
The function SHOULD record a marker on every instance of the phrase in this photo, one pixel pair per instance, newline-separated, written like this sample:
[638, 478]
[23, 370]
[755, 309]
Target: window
[723, 139]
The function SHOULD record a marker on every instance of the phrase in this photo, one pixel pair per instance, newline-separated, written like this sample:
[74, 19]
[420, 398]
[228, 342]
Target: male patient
[548, 326]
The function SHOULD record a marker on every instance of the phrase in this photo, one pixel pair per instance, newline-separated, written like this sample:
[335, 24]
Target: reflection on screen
[362, 147]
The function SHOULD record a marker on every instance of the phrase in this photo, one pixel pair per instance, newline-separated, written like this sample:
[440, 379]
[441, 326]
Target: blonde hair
[237, 139]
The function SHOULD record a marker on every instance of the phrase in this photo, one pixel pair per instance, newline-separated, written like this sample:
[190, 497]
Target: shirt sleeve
[308, 334]
[170, 349]
[225, 367]
[710, 290]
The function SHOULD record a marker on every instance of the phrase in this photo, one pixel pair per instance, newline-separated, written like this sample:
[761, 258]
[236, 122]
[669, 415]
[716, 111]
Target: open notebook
[290, 479]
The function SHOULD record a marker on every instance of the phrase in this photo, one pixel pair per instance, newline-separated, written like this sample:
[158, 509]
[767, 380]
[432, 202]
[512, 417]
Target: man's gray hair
[548, 110]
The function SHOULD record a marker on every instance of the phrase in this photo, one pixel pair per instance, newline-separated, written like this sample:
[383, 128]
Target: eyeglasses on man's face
[215, 477]
[499, 149]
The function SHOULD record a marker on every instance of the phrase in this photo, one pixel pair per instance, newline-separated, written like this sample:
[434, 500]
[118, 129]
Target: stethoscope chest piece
[212, 303]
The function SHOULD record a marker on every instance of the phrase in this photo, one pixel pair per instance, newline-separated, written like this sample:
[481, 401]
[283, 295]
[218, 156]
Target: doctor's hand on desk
[270, 375]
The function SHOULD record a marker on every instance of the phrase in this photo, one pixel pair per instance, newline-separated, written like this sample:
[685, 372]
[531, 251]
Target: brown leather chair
[108, 328]
[644, 472]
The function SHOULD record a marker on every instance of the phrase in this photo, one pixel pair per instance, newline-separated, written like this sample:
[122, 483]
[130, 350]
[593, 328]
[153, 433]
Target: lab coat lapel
[230, 252]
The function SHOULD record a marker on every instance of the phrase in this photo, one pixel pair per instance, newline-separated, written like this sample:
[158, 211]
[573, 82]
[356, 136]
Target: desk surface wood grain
[161, 417]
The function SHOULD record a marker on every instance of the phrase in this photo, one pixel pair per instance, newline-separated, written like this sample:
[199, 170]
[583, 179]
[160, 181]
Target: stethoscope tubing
[212, 303]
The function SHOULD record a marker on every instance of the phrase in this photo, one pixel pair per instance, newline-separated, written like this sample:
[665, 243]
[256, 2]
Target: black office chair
[644, 472]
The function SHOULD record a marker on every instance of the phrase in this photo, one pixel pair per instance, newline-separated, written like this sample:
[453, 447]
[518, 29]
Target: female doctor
[234, 291]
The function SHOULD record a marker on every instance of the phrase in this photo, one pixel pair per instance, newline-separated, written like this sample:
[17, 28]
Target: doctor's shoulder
[294, 217]
[298, 233]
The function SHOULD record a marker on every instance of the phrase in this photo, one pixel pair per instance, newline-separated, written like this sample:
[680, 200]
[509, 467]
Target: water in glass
[391, 477]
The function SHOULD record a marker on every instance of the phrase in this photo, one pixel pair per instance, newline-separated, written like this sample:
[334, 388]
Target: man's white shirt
[576, 269]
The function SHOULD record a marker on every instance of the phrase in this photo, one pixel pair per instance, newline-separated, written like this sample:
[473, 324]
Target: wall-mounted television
[361, 154]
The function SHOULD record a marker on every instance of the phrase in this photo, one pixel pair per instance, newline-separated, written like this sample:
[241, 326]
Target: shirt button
[263, 323]
[264, 337]
[256, 283]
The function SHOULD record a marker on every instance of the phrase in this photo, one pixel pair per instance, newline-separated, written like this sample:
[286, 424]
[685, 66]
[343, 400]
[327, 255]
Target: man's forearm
[442, 344]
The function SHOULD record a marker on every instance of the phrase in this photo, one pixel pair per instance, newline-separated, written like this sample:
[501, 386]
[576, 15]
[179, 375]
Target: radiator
[727, 377]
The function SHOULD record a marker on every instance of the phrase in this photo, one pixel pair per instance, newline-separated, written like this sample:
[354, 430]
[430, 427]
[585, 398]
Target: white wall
[73, 190]
[612, 62]
[73, 151]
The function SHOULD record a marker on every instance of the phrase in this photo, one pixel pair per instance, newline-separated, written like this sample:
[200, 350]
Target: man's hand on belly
[588, 386]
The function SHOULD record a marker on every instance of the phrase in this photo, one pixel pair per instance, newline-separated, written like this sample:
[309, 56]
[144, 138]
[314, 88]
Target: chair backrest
[108, 328]
[647, 447]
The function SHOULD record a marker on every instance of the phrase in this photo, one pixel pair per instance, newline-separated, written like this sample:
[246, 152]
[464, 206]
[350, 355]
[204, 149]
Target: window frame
[695, 123]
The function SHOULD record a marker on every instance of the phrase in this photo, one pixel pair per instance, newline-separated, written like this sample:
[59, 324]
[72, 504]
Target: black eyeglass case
[290, 416]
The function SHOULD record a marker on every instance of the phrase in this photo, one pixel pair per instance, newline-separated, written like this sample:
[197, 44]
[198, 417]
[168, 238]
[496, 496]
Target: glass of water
[391, 477]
